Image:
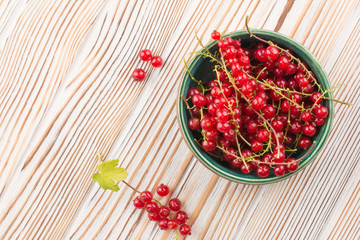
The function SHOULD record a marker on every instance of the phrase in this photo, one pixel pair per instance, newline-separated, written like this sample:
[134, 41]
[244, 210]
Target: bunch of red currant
[168, 217]
[146, 55]
[262, 106]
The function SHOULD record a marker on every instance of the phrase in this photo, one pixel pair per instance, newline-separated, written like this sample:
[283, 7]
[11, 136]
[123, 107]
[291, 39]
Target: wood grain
[66, 93]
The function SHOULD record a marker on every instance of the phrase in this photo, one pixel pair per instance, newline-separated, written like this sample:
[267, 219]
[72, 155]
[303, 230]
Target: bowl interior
[201, 68]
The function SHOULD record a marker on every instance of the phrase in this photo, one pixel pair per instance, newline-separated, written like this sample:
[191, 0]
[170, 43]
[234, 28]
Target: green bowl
[199, 68]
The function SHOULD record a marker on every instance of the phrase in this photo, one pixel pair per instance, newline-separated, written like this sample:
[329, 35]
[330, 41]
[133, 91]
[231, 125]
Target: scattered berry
[138, 75]
[163, 190]
[145, 55]
[156, 61]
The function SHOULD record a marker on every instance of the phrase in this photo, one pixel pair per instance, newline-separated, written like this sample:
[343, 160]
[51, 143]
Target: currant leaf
[108, 174]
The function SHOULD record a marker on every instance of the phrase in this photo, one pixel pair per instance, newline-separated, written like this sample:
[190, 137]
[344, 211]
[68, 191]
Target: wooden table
[66, 93]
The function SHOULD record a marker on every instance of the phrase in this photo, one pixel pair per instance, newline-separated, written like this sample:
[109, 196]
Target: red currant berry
[152, 207]
[279, 156]
[251, 127]
[291, 68]
[138, 203]
[309, 130]
[146, 196]
[268, 111]
[229, 155]
[193, 91]
[185, 230]
[305, 116]
[278, 125]
[211, 134]
[322, 112]
[194, 123]
[262, 135]
[244, 60]
[295, 127]
[156, 61]
[198, 100]
[145, 55]
[154, 216]
[285, 106]
[223, 44]
[319, 121]
[256, 146]
[272, 52]
[162, 190]
[207, 123]
[283, 62]
[263, 171]
[260, 55]
[181, 217]
[164, 211]
[222, 114]
[164, 224]
[316, 97]
[279, 170]
[174, 204]
[172, 224]
[257, 103]
[215, 35]
[246, 169]
[223, 127]
[293, 165]
[303, 82]
[208, 145]
[304, 142]
[138, 75]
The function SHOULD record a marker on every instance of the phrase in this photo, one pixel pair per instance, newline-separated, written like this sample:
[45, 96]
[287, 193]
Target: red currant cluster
[146, 55]
[262, 106]
[168, 217]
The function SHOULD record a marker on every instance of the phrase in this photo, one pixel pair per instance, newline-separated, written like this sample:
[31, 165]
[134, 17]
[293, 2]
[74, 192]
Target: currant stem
[252, 35]
[131, 187]
[187, 105]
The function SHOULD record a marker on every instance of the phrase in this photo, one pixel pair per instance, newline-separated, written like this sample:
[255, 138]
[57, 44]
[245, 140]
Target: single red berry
[229, 155]
[194, 123]
[145, 55]
[291, 68]
[303, 82]
[185, 230]
[208, 145]
[138, 74]
[174, 204]
[278, 156]
[272, 52]
[181, 217]
[321, 112]
[295, 127]
[146, 196]
[260, 54]
[172, 224]
[279, 170]
[267, 157]
[251, 126]
[283, 62]
[319, 121]
[138, 203]
[222, 114]
[304, 142]
[152, 207]
[164, 211]
[154, 216]
[162, 190]
[278, 125]
[215, 35]
[235, 164]
[285, 106]
[244, 60]
[156, 61]
[223, 127]
[223, 44]
[279, 147]
[257, 103]
[221, 75]
[268, 111]
[309, 130]
[164, 224]
[246, 169]
[262, 135]
[193, 91]
[293, 165]
[305, 116]
[198, 100]
[263, 171]
[211, 134]
[207, 123]
[316, 97]
[256, 146]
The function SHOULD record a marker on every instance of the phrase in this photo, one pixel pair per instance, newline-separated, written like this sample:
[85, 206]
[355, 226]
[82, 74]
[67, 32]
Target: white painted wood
[66, 93]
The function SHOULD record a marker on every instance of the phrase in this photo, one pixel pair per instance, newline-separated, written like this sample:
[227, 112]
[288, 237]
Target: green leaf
[108, 174]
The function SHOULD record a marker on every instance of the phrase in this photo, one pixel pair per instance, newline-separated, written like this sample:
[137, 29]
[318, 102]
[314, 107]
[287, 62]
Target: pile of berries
[261, 107]
[146, 55]
[168, 217]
